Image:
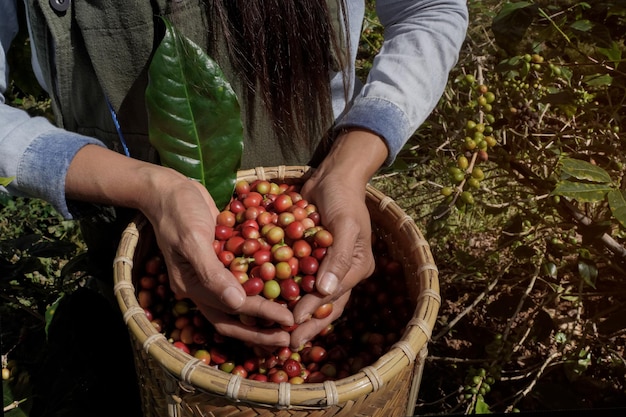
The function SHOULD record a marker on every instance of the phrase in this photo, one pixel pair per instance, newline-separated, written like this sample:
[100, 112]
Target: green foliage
[12, 406]
[40, 261]
[35, 266]
[582, 181]
[511, 24]
[370, 42]
[617, 203]
[24, 89]
[481, 406]
[194, 116]
[536, 102]
[588, 272]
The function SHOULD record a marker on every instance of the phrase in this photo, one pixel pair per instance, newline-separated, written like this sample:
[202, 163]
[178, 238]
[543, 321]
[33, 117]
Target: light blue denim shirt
[422, 42]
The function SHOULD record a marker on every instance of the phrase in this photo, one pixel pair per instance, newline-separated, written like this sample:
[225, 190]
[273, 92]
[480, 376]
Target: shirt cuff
[381, 117]
[41, 172]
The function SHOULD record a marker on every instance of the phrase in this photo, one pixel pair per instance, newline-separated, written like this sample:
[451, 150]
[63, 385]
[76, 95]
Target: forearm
[422, 41]
[356, 155]
[99, 175]
[36, 155]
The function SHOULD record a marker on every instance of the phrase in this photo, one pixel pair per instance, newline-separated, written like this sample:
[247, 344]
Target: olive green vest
[100, 50]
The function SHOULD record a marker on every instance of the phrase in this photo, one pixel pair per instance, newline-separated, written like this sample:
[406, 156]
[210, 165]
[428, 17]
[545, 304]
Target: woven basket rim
[192, 372]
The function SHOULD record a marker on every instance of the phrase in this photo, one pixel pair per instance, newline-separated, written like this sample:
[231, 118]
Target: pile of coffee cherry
[273, 241]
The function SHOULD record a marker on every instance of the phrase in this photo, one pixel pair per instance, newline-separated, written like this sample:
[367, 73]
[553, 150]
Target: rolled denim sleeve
[422, 41]
[37, 155]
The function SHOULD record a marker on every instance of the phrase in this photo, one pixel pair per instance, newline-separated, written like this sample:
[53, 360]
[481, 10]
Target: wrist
[154, 184]
[99, 175]
[356, 155]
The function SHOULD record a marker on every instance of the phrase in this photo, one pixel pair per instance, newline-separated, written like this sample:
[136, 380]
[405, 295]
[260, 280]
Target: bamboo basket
[173, 383]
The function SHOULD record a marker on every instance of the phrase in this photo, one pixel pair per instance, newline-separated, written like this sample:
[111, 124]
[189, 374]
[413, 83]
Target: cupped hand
[182, 214]
[349, 259]
[338, 189]
[183, 218]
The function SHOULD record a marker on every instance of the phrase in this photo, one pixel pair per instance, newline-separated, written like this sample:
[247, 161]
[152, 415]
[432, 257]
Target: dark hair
[284, 50]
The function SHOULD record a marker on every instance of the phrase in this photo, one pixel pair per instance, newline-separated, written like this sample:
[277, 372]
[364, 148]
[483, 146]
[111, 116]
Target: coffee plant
[517, 179]
[40, 262]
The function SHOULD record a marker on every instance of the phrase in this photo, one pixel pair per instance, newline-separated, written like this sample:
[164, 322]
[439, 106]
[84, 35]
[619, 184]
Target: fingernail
[304, 318]
[232, 297]
[283, 340]
[300, 346]
[328, 284]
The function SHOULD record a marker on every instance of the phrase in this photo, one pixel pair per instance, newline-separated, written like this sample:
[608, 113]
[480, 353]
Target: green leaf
[511, 23]
[617, 203]
[560, 98]
[524, 252]
[616, 9]
[400, 165]
[614, 53]
[481, 406]
[598, 80]
[582, 25]
[511, 8]
[567, 74]
[560, 337]
[11, 409]
[550, 269]
[50, 312]
[4, 181]
[583, 170]
[194, 116]
[52, 249]
[583, 192]
[588, 272]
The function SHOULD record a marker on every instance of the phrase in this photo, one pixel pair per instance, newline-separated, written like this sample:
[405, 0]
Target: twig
[528, 372]
[607, 239]
[532, 383]
[517, 202]
[617, 333]
[523, 173]
[616, 353]
[522, 339]
[478, 299]
[22, 307]
[448, 359]
[386, 175]
[545, 110]
[443, 145]
[472, 163]
[523, 298]
[14, 404]
[432, 183]
[442, 399]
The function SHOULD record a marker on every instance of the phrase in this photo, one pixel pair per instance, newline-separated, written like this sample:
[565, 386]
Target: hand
[184, 221]
[183, 216]
[337, 188]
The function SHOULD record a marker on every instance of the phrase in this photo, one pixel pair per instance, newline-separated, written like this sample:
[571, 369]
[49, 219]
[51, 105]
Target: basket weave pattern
[175, 384]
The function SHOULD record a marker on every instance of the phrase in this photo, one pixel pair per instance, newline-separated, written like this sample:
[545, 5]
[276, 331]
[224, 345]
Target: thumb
[233, 297]
[338, 259]
[216, 282]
